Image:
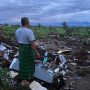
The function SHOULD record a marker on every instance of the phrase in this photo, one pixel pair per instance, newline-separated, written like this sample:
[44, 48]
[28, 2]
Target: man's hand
[35, 49]
[38, 55]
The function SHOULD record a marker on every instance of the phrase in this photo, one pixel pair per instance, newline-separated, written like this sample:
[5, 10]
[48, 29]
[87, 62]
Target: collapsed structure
[54, 64]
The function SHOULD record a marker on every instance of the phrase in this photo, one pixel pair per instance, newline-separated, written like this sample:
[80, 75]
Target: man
[27, 51]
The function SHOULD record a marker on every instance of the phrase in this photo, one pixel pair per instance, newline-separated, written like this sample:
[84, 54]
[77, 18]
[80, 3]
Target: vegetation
[43, 32]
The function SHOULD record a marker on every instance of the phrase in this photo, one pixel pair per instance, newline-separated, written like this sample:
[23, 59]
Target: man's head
[25, 21]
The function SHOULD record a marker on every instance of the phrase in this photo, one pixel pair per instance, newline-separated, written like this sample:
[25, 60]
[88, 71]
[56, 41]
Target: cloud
[45, 11]
[74, 17]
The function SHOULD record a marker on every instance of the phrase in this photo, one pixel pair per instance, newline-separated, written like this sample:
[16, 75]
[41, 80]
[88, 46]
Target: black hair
[24, 21]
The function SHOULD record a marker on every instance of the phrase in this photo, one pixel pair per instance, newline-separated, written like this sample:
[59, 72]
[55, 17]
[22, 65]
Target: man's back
[24, 35]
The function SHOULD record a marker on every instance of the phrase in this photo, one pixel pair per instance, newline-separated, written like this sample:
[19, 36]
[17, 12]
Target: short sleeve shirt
[24, 35]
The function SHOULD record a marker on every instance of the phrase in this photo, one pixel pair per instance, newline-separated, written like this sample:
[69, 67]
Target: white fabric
[24, 35]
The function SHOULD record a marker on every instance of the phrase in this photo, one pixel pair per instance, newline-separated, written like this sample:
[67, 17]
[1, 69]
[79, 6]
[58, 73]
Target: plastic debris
[15, 64]
[13, 74]
[62, 59]
[36, 86]
[4, 52]
[2, 47]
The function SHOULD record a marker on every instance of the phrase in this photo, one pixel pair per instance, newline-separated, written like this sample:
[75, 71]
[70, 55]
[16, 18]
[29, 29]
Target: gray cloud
[45, 11]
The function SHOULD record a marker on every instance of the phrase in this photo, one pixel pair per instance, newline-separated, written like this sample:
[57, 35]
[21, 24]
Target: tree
[6, 24]
[39, 25]
[67, 30]
[65, 26]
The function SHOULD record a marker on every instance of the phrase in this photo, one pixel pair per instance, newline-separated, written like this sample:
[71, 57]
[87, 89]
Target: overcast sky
[43, 11]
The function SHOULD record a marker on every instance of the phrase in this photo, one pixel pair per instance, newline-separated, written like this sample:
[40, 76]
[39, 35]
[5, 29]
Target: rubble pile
[8, 48]
[77, 54]
[62, 62]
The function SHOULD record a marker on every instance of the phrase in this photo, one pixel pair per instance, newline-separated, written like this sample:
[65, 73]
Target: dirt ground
[82, 81]
[83, 84]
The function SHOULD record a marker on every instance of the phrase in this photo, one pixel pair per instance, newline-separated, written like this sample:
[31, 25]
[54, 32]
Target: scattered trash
[15, 64]
[62, 59]
[36, 86]
[53, 65]
[3, 52]
[13, 74]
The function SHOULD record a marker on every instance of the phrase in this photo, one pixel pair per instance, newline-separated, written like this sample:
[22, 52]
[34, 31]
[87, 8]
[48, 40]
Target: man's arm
[31, 38]
[35, 49]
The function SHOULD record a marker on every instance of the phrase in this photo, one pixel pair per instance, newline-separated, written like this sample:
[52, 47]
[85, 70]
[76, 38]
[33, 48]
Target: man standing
[27, 51]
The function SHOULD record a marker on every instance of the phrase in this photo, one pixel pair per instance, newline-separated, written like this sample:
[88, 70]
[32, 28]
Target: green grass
[83, 32]
[43, 32]
[9, 31]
